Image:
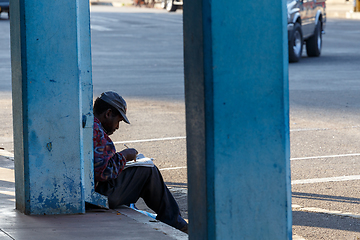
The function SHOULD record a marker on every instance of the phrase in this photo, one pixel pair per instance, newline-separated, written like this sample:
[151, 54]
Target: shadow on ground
[327, 221]
[322, 197]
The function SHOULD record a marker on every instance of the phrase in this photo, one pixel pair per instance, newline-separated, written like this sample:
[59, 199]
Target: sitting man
[123, 187]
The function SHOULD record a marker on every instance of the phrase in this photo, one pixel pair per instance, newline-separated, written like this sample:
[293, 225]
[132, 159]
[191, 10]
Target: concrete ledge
[155, 224]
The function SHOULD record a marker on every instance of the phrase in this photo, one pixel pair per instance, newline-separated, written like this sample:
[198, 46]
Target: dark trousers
[147, 183]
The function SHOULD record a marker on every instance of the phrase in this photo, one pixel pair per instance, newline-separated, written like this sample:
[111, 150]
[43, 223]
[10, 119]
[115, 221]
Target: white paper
[141, 161]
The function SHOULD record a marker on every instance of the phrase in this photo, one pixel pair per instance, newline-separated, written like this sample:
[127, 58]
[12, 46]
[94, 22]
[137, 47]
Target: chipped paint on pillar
[51, 74]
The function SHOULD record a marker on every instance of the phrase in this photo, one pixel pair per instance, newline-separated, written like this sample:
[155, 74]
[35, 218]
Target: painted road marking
[184, 137]
[308, 129]
[99, 28]
[320, 129]
[329, 179]
[150, 140]
[302, 181]
[171, 168]
[320, 210]
[328, 156]
[8, 173]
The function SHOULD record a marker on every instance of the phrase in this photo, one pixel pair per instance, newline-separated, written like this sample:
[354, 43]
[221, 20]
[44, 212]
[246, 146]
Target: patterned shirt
[107, 162]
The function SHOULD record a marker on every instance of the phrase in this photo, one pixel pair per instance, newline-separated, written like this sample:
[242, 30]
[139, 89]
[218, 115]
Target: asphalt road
[139, 53]
[324, 123]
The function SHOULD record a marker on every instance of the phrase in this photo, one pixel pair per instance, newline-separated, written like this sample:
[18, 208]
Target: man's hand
[129, 154]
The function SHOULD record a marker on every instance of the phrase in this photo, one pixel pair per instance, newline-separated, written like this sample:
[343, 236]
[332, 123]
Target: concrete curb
[155, 224]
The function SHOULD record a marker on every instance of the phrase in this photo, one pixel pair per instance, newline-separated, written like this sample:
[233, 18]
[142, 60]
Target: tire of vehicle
[170, 7]
[163, 4]
[314, 43]
[295, 44]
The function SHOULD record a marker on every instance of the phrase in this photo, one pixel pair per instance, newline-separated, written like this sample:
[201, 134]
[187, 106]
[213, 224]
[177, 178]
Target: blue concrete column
[52, 105]
[236, 86]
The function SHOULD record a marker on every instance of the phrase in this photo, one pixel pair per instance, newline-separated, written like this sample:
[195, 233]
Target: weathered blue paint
[52, 90]
[236, 86]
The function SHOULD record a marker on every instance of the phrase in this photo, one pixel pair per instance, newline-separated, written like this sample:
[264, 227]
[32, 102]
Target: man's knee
[141, 171]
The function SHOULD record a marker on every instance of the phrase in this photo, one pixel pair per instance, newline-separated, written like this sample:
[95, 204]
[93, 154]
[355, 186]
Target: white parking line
[308, 129]
[320, 210]
[294, 182]
[301, 181]
[99, 28]
[329, 179]
[320, 129]
[171, 168]
[328, 156]
[150, 140]
[184, 137]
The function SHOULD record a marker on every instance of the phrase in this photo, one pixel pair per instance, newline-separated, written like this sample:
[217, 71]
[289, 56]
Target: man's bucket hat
[117, 102]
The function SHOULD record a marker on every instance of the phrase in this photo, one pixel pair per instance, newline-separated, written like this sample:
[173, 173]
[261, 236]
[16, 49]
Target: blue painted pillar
[236, 86]
[52, 106]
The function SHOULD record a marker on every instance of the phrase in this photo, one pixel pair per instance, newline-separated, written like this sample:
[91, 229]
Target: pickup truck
[306, 24]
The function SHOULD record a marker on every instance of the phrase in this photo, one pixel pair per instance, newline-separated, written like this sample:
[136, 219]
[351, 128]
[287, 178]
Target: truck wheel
[163, 4]
[295, 44]
[170, 6]
[314, 43]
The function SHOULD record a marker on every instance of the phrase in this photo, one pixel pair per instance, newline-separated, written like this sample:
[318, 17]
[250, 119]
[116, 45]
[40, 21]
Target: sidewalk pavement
[123, 223]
